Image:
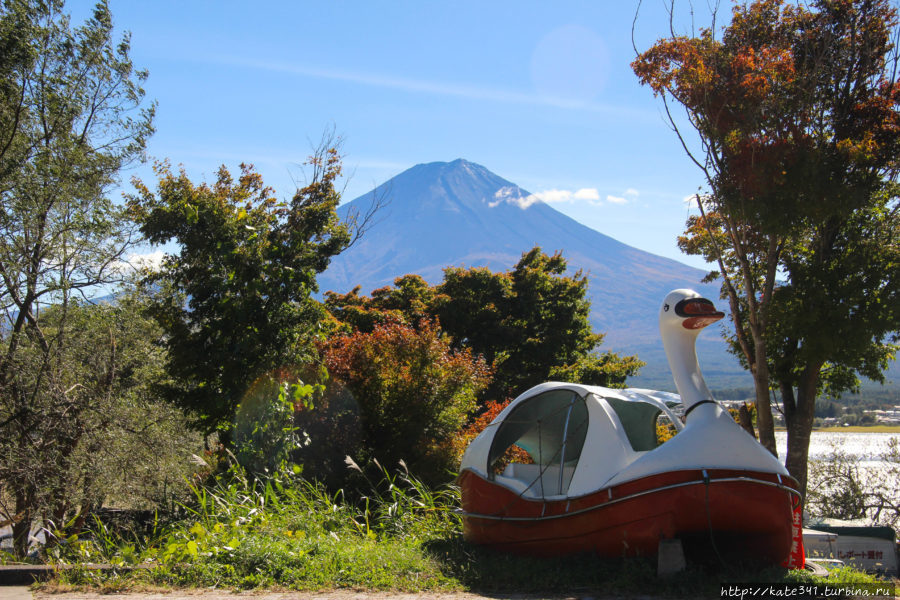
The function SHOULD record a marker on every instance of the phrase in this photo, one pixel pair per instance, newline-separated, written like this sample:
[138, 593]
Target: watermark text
[743, 591]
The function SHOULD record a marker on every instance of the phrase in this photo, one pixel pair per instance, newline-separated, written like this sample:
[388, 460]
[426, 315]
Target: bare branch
[360, 222]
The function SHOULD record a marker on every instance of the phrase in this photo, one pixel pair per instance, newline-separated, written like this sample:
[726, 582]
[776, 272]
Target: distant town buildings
[890, 416]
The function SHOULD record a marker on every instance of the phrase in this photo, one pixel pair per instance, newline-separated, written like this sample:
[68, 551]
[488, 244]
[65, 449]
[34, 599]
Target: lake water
[865, 448]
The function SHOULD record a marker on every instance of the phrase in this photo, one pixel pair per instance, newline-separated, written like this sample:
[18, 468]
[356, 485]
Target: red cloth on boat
[797, 558]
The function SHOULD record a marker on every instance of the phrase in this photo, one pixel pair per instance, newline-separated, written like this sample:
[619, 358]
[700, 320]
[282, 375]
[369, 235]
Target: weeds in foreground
[286, 532]
[282, 531]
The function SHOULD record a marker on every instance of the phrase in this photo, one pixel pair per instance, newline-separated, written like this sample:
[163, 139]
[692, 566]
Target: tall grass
[396, 533]
[283, 531]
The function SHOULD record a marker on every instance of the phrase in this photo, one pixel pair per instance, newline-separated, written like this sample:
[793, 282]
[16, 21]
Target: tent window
[549, 430]
[639, 421]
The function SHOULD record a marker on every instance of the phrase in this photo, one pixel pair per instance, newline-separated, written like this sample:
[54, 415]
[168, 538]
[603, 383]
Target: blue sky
[540, 93]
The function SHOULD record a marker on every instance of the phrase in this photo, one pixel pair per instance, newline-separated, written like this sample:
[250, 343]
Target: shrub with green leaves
[236, 300]
[265, 435]
[530, 323]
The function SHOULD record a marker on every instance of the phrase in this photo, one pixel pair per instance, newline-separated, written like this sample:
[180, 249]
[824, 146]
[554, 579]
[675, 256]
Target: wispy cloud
[405, 84]
[589, 194]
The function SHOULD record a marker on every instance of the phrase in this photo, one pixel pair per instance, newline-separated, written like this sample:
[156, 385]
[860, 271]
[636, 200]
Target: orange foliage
[465, 436]
[413, 391]
[665, 432]
[788, 95]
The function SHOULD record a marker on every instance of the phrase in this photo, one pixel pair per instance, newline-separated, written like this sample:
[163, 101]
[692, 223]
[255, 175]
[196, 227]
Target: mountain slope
[461, 214]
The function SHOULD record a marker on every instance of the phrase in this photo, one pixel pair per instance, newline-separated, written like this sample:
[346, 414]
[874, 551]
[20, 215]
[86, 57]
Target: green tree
[71, 117]
[841, 488]
[530, 323]
[102, 434]
[266, 434]
[795, 108]
[235, 300]
[409, 301]
[525, 322]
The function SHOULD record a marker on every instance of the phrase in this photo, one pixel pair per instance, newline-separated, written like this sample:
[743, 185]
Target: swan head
[687, 310]
[683, 314]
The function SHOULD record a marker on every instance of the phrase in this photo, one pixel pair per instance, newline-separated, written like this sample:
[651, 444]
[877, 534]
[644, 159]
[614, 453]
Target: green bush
[265, 435]
[242, 532]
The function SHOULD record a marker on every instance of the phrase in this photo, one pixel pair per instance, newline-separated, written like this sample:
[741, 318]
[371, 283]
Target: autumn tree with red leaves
[412, 390]
[795, 108]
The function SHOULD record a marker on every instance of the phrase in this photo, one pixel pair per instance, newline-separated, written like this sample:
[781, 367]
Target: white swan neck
[681, 352]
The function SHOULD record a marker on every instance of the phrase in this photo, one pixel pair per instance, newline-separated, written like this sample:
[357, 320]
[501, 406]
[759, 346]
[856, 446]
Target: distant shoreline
[853, 429]
[862, 429]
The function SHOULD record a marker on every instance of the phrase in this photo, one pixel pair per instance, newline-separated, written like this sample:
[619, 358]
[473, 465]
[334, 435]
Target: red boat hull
[735, 515]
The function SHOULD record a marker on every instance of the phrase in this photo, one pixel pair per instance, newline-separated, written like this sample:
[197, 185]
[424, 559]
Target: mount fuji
[459, 213]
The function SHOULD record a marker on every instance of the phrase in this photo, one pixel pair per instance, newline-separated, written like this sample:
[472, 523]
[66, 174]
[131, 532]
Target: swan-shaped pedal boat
[595, 478]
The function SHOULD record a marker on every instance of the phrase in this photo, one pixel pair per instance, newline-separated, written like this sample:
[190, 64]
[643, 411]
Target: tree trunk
[799, 417]
[746, 420]
[21, 527]
[765, 424]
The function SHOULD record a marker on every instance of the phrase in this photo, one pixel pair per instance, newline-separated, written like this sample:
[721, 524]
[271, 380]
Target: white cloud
[512, 196]
[554, 196]
[629, 195]
[504, 194]
[524, 202]
[149, 260]
[590, 194]
[690, 200]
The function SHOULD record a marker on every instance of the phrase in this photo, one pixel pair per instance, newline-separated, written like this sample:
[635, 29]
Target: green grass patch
[287, 533]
